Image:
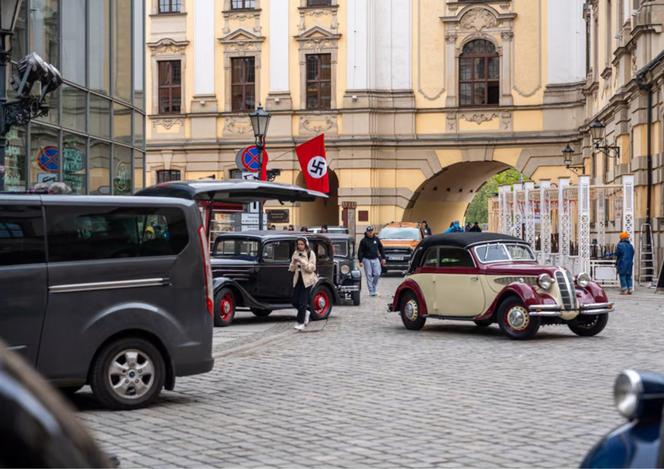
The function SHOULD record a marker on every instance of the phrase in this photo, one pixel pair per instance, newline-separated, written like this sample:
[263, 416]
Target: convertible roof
[238, 191]
[464, 240]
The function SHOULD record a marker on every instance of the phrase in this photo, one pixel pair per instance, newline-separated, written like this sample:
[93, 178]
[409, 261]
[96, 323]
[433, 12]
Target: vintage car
[399, 242]
[639, 397]
[347, 277]
[250, 270]
[489, 277]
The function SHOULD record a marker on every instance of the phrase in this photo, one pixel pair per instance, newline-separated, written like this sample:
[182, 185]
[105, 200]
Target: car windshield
[236, 248]
[340, 248]
[400, 233]
[503, 252]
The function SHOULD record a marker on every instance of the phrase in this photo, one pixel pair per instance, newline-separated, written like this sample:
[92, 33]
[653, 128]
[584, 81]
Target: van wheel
[588, 326]
[410, 312]
[224, 308]
[261, 313]
[514, 320]
[128, 374]
[321, 304]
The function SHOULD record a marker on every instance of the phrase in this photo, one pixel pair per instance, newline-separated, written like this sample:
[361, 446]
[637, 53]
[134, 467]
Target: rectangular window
[114, 232]
[243, 4]
[319, 81]
[451, 257]
[319, 3]
[169, 6]
[243, 84]
[278, 251]
[170, 84]
[21, 235]
[167, 175]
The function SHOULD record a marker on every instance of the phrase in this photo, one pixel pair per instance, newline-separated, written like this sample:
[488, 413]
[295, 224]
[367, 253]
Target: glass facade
[93, 138]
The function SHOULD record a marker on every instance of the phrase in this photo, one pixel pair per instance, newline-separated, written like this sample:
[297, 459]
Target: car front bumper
[556, 310]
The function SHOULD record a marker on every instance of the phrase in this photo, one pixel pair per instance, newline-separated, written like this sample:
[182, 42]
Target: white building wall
[358, 36]
[204, 65]
[390, 40]
[566, 41]
[278, 37]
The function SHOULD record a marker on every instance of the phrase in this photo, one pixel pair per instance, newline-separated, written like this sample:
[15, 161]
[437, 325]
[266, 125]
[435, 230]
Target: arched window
[479, 74]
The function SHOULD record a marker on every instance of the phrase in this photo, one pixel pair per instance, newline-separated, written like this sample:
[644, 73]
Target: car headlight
[345, 269]
[545, 281]
[583, 280]
[627, 392]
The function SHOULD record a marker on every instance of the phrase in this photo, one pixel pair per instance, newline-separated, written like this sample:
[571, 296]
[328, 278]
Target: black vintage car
[251, 271]
[347, 277]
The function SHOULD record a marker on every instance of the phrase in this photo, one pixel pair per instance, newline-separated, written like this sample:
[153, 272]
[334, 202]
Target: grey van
[114, 292]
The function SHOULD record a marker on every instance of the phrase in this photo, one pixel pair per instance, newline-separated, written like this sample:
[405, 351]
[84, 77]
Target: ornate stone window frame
[318, 11]
[479, 21]
[240, 43]
[167, 49]
[318, 40]
[154, 9]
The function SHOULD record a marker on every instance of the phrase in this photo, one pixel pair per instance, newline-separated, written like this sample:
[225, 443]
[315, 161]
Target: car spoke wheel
[514, 320]
[588, 326]
[410, 312]
[224, 308]
[128, 374]
[321, 304]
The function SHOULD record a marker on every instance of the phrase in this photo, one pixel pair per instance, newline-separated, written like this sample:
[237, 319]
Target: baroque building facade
[421, 101]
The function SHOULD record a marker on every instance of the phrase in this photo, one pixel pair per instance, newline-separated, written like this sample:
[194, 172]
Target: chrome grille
[567, 292]
[405, 251]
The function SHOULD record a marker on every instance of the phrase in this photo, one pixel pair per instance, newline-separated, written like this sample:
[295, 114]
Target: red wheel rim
[226, 306]
[321, 303]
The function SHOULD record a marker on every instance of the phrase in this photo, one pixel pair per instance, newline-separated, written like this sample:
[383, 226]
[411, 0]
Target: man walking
[372, 258]
[625, 263]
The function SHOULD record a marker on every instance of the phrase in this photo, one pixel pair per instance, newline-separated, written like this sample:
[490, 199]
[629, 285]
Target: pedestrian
[324, 229]
[426, 229]
[291, 228]
[455, 227]
[372, 257]
[468, 227]
[475, 228]
[304, 229]
[625, 263]
[303, 266]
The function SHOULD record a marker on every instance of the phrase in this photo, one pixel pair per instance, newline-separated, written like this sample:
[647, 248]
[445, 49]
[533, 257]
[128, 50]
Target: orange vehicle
[399, 242]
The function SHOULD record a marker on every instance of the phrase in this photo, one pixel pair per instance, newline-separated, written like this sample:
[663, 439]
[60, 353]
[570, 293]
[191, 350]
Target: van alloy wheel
[131, 374]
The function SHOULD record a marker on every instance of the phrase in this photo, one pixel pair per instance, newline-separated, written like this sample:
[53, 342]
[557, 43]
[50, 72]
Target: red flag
[313, 162]
[263, 171]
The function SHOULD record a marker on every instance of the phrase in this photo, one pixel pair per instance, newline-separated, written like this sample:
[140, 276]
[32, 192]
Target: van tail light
[207, 269]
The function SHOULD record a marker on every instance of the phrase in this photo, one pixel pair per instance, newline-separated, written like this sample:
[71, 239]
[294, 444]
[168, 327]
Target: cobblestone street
[362, 390]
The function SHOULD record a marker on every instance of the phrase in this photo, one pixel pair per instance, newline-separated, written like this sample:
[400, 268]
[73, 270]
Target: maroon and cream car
[489, 277]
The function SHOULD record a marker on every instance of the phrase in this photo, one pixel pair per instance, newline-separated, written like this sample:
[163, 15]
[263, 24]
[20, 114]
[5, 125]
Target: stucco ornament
[167, 46]
[478, 19]
[317, 125]
[168, 123]
[237, 125]
[480, 117]
[451, 122]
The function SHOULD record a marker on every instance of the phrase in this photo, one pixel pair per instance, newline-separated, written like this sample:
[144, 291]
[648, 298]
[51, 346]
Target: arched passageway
[445, 196]
[320, 212]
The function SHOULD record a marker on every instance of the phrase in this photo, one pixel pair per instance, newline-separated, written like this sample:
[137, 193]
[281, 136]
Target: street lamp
[597, 130]
[568, 154]
[260, 121]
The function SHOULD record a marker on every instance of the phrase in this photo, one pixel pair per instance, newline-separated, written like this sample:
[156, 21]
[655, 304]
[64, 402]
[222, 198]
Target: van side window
[93, 232]
[21, 235]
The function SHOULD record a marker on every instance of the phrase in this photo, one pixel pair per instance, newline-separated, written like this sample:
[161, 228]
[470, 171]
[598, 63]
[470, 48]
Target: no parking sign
[248, 159]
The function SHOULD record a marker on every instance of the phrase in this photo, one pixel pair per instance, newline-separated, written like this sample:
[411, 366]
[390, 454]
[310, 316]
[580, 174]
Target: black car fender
[324, 282]
[245, 299]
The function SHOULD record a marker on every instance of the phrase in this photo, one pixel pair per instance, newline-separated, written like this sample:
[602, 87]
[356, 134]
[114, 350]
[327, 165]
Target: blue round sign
[48, 159]
[250, 159]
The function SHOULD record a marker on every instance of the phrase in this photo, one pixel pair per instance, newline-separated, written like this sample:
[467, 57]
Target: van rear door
[22, 274]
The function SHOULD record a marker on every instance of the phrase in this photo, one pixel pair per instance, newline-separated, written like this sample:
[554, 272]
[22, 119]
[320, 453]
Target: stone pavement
[364, 391]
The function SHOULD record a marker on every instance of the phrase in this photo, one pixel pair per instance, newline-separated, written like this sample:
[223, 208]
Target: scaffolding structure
[573, 226]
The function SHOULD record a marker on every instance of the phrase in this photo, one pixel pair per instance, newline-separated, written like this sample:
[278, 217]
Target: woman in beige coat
[303, 266]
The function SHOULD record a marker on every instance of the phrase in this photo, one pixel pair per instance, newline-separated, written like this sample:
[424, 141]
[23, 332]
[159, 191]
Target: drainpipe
[644, 85]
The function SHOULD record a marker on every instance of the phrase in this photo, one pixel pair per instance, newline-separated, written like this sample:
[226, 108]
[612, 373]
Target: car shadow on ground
[247, 317]
[84, 401]
[545, 333]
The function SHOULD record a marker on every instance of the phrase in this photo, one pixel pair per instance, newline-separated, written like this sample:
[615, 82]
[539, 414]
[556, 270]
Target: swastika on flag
[317, 167]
